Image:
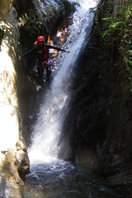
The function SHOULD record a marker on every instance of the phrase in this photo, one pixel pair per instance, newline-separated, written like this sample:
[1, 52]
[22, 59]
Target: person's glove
[67, 51]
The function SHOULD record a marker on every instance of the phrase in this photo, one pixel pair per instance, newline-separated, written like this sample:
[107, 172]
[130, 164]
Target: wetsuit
[41, 54]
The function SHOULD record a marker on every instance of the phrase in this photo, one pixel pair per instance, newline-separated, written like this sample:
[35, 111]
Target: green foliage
[112, 26]
[117, 27]
[126, 38]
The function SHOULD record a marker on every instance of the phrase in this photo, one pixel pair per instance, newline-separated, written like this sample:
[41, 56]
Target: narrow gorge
[71, 136]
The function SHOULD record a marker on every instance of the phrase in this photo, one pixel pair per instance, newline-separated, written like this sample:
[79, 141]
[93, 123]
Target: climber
[41, 52]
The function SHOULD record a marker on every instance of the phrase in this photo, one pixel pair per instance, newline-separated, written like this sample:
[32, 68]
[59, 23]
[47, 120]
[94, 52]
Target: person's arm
[57, 48]
[27, 53]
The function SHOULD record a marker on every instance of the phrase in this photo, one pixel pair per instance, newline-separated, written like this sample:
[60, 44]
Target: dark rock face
[99, 119]
[41, 18]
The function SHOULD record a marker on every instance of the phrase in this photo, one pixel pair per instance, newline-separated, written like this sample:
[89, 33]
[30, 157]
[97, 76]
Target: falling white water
[52, 112]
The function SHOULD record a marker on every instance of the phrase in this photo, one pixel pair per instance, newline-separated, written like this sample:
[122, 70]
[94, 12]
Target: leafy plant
[117, 27]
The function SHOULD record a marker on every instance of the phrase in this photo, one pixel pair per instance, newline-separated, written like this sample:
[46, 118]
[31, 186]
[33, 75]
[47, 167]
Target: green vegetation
[113, 38]
[116, 32]
[118, 28]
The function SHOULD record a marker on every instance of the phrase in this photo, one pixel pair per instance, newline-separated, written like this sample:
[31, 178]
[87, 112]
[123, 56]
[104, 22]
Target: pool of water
[60, 179]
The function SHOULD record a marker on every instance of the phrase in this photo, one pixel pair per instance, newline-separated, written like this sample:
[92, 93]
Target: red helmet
[39, 39]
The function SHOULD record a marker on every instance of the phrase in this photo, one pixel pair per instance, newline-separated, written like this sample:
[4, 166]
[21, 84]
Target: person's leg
[35, 69]
[40, 69]
[48, 73]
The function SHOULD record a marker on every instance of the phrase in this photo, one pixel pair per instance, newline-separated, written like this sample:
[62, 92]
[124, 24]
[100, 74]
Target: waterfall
[52, 113]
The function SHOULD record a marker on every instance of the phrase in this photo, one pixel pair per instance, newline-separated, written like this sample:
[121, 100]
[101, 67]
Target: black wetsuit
[41, 54]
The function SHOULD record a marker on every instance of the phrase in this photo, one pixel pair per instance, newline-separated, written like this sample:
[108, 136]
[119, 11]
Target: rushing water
[49, 176]
[55, 106]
